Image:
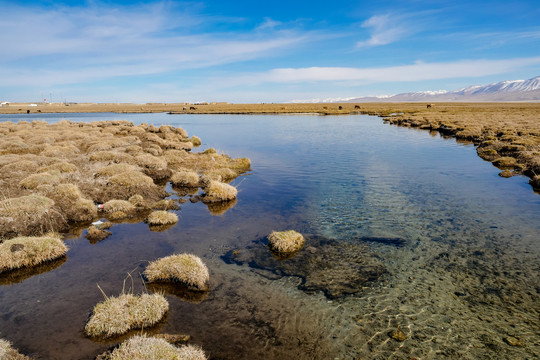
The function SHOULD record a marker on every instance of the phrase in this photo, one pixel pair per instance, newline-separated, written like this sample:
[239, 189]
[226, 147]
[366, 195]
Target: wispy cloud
[64, 45]
[419, 71]
[384, 29]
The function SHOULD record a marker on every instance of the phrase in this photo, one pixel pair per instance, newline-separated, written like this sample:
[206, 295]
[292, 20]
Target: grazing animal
[184, 108]
[356, 107]
[429, 106]
[340, 107]
[325, 107]
[192, 108]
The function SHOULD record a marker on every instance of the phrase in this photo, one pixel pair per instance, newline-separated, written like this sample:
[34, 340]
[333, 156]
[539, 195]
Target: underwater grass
[7, 352]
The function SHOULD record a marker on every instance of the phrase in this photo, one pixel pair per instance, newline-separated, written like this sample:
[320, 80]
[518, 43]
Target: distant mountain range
[510, 90]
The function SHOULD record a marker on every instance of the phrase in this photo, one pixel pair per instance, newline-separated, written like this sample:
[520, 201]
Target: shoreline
[505, 134]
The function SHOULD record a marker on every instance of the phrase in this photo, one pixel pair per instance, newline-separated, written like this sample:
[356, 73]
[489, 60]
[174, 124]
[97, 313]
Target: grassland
[53, 176]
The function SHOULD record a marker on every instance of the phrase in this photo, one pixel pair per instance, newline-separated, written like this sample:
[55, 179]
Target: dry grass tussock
[216, 191]
[101, 161]
[7, 352]
[185, 178]
[118, 315]
[144, 348]
[30, 251]
[162, 217]
[29, 215]
[285, 241]
[187, 269]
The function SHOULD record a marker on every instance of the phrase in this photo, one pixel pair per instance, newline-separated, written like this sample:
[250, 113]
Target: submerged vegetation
[54, 175]
[7, 352]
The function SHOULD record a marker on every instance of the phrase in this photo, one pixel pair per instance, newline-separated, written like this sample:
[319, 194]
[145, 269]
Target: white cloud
[64, 45]
[385, 29]
[419, 71]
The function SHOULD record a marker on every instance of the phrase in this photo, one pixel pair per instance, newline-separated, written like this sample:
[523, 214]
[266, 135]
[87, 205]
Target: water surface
[459, 246]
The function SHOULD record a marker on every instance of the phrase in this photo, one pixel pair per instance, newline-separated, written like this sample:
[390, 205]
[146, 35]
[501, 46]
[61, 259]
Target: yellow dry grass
[185, 178]
[217, 191]
[145, 348]
[187, 269]
[162, 217]
[112, 206]
[7, 352]
[285, 241]
[29, 215]
[30, 251]
[117, 315]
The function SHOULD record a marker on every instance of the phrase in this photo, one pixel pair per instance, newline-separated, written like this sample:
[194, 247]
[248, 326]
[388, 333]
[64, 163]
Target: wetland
[415, 247]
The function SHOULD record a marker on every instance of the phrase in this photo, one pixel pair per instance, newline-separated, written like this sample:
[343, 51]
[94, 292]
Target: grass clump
[144, 348]
[115, 169]
[117, 315]
[35, 180]
[112, 206]
[7, 352]
[28, 215]
[216, 191]
[133, 179]
[285, 241]
[195, 140]
[30, 251]
[187, 269]
[185, 178]
[96, 234]
[162, 217]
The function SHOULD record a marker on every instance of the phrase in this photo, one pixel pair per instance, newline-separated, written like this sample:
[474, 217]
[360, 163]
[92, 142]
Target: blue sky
[249, 51]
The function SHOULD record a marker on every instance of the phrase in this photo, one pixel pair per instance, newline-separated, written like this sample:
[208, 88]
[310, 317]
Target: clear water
[459, 244]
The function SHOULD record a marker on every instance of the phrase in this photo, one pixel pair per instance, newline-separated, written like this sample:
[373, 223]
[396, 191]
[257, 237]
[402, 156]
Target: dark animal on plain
[340, 108]
[192, 108]
[429, 106]
[28, 111]
[325, 107]
[184, 108]
[356, 107]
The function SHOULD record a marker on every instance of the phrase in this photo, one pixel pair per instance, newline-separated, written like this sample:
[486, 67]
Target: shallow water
[458, 244]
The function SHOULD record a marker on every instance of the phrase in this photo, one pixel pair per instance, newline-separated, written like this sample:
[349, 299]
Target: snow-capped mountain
[510, 90]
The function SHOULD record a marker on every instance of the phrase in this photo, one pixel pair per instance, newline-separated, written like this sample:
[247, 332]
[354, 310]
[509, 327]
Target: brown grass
[96, 234]
[162, 217]
[185, 178]
[285, 241]
[29, 215]
[112, 206]
[217, 191]
[117, 315]
[30, 251]
[144, 348]
[7, 352]
[187, 269]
